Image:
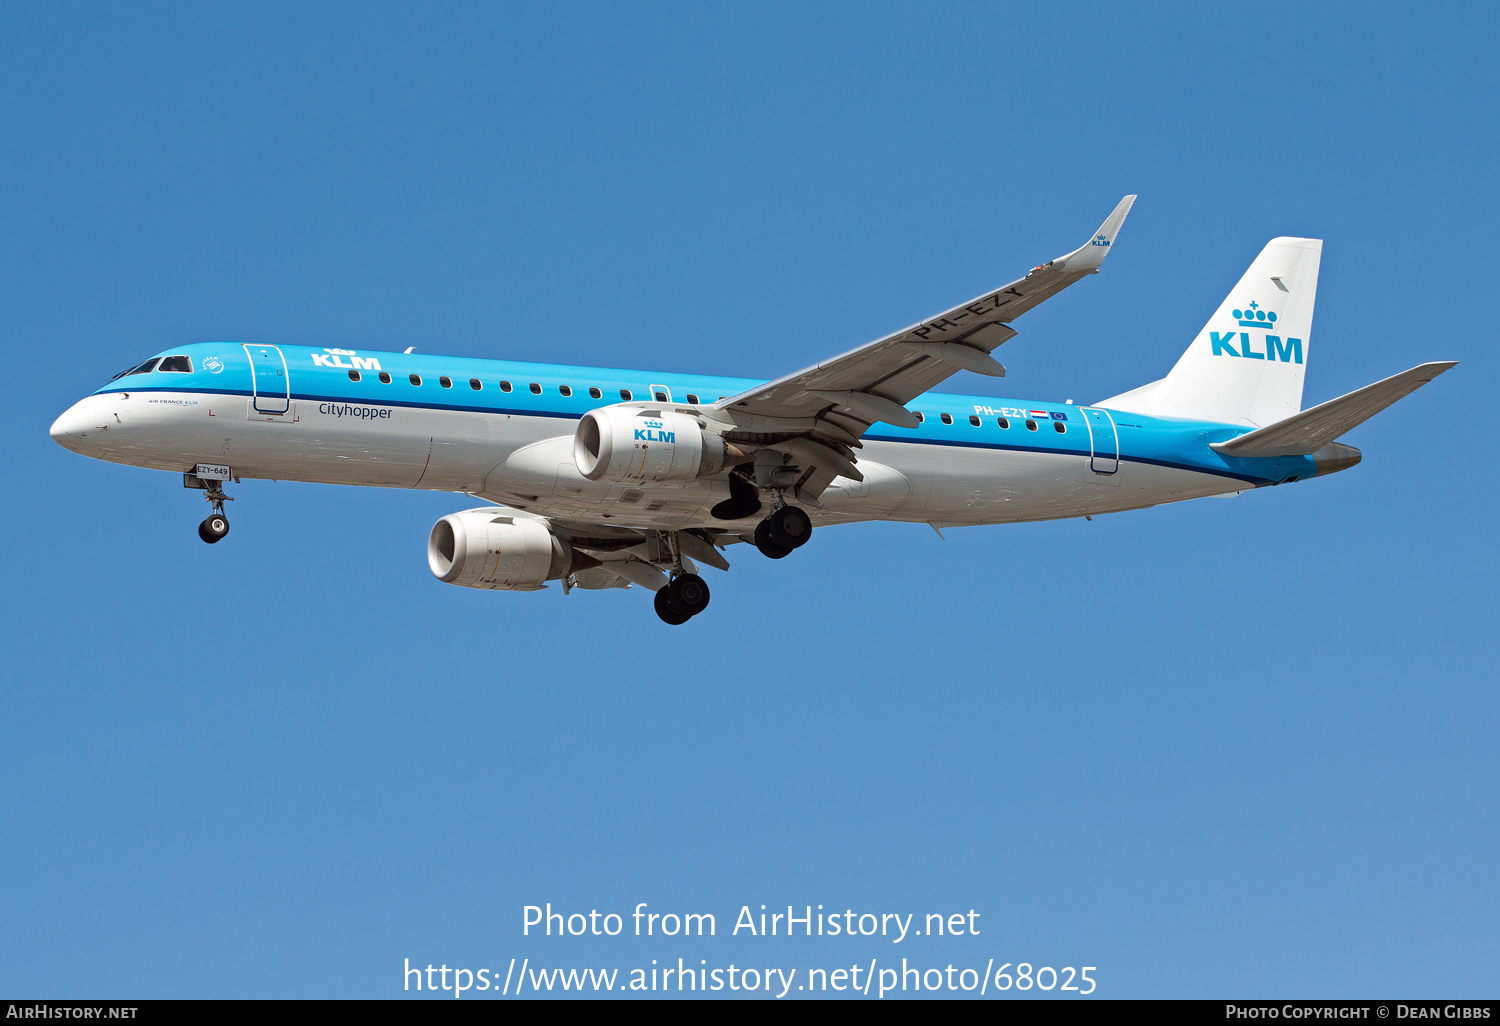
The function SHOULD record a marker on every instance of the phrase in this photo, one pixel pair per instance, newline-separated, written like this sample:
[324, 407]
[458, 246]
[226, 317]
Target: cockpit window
[145, 368]
[177, 365]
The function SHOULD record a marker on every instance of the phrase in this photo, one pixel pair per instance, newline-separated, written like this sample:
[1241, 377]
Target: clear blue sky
[1220, 748]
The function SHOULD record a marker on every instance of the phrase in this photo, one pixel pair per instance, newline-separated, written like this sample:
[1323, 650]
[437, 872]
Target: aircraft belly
[957, 485]
[997, 484]
[883, 490]
[379, 446]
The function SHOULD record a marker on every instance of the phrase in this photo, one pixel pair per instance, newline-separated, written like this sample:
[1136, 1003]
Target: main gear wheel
[667, 613]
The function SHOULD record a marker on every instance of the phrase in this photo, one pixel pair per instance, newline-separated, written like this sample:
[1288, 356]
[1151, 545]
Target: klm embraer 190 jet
[605, 478]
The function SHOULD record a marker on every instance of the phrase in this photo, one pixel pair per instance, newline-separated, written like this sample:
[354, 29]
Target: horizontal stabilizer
[1304, 433]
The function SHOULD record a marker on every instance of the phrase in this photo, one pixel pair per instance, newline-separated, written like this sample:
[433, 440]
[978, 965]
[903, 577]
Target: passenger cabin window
[536, 389]
[594, 393]
[505, 386]
[974, 421]
[177, 365]
[445, 381]
[1031, 425]
[1004, 424]
[566, 390]
[692, 399]
[661, 397]
[625, 394]
[921, 417]
[354, 375]
[947, 418]
[1059, 427]
[416, 379]
[385, 379]
[476, 384]
[145, 368]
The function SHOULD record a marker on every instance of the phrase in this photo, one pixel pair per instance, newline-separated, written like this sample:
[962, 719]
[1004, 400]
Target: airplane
[605, 478]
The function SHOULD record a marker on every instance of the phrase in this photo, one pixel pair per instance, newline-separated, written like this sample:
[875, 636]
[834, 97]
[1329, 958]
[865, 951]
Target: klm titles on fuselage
[1252, 316]
[335, 359]
[653, 432]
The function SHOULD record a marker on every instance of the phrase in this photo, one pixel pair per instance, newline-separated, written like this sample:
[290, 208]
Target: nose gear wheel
[214, 528]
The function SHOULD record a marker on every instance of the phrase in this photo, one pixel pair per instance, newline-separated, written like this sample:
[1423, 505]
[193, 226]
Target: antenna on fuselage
[408, 349]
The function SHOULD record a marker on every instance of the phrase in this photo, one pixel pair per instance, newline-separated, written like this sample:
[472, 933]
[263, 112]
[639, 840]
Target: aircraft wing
[877, 380]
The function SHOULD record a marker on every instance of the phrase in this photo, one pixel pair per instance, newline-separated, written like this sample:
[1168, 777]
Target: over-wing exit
[606, 478]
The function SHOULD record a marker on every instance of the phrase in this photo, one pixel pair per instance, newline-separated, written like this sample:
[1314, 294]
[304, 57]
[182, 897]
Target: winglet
[1091, 254]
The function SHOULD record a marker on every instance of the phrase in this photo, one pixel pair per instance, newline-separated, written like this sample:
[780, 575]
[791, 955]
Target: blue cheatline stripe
[558, 415]
[346, 401]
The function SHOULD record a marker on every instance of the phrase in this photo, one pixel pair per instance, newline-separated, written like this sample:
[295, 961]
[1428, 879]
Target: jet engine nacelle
[488, 548]
[629, 445]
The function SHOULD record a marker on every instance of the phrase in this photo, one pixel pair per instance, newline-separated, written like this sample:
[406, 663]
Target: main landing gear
[216, 526]
[784, 530]
[683, 599]
[687, 595]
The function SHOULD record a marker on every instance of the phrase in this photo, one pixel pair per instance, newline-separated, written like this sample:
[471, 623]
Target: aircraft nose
[76, 423]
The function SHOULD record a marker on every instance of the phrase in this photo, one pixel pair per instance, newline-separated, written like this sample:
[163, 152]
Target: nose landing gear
[216, 526]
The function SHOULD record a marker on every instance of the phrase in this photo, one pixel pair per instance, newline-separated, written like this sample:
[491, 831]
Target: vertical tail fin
[1247, 364]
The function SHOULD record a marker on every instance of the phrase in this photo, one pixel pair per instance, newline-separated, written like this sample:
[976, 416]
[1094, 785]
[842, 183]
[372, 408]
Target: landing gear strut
[784, 530]
[217, 525]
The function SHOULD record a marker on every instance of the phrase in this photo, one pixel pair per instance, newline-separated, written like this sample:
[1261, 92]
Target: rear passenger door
[1104, 441]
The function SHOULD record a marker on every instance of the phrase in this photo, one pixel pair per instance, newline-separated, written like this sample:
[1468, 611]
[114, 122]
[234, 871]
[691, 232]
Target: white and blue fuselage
[611, 478]
[503, 431]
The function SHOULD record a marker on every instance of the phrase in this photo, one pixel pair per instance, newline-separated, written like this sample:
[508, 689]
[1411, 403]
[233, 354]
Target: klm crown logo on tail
[1254, 317]
[1100, 240]
[1238, 344]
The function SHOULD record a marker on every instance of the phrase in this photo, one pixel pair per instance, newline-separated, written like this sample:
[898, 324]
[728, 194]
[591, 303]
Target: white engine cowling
[628, 445]
[487, 548]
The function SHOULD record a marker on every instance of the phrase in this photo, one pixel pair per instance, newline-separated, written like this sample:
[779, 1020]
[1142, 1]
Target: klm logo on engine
[653, 432]
[1238, 344]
